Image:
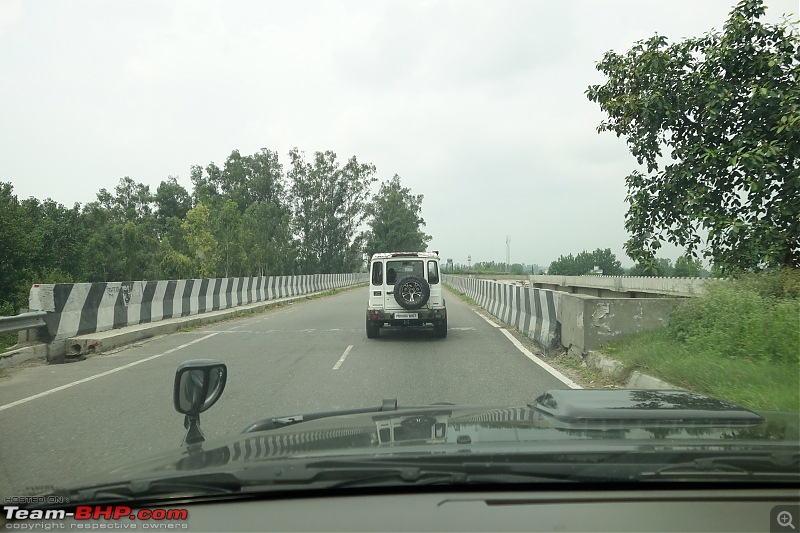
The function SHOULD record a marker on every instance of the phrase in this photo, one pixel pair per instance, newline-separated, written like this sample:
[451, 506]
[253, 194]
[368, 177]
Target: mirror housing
[198, 385]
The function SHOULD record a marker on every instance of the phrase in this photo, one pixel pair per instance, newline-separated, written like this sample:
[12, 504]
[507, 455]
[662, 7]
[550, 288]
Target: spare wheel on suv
[412, 292]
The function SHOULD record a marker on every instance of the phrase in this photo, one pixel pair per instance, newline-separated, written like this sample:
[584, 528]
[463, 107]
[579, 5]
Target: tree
[395, 221]
[268, 239]
[687, 267]
[243, 179]
[725, 107]
[174, 264]
[328, 204]
[122, 234]
[205, 185]
[202, 244]
[132, 200]
[227, 227]
[585, 262]
[250, 179]
[517, 269]
[18, 248]
[172, 200]
[655, 267]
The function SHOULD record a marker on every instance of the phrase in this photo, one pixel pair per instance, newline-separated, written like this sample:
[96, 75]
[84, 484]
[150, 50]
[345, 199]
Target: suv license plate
[406, 315]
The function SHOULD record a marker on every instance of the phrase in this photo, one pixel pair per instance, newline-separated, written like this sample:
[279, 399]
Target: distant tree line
[249, 217]
[600, 261]
[606, 263]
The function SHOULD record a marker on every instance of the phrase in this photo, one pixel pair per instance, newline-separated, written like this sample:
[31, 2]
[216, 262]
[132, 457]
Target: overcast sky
[479, 106]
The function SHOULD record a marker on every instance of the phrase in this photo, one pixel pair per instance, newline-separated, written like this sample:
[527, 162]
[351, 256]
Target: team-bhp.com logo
[155, 518]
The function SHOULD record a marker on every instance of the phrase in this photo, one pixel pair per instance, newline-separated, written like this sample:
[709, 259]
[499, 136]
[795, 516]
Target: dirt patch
[6, 373]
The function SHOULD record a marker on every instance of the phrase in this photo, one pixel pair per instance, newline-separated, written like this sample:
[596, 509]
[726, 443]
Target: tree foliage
[245, 218]
[395, 223]
[657, 267]
[687, 267]
[584, 263]
[725, 107]
[328, 205]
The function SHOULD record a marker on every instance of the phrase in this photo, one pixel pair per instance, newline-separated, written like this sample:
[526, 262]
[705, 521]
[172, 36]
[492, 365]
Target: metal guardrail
[34, 319]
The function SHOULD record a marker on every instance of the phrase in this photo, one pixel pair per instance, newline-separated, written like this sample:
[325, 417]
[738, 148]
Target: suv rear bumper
[423, 316]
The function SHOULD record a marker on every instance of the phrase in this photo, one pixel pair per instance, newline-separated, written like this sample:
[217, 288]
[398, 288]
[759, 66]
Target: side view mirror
[198, 385]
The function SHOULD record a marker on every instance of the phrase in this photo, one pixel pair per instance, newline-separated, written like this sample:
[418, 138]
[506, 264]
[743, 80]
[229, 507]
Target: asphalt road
[61, 423]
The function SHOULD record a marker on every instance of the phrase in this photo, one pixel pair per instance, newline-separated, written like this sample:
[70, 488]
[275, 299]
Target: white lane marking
[90, 378]
[555, 373]
[462, 329]
[487, 319]
[342, 358]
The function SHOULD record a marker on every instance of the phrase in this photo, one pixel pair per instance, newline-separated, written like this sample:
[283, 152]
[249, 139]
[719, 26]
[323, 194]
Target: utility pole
[508, 253]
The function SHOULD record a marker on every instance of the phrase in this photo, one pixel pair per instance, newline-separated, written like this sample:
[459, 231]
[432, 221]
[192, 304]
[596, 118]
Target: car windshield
[276, 247]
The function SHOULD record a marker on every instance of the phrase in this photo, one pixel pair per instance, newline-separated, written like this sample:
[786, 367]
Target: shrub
[755, 316]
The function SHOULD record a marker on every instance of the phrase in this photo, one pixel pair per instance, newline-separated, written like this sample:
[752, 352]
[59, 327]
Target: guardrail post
[26, 335]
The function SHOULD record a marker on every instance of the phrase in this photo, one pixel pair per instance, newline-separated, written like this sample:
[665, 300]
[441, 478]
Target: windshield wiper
[319, 474]
[404, 471]
[786, 464]
[371, 472]
[129, 491]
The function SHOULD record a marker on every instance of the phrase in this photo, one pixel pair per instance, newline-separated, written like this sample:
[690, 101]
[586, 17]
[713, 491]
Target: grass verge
[751, 383]
[460, 295]
[7, 340]
[739, 342]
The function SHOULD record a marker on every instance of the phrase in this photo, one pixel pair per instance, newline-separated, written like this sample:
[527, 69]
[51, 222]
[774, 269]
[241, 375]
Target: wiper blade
[318, 474]
[195, 485]
[786, 464]
[456, 472]
[436, 477]
[388, 404]
[400, 470]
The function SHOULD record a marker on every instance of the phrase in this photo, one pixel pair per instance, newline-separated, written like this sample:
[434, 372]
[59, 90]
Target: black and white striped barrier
[81, 308]
[532, 311]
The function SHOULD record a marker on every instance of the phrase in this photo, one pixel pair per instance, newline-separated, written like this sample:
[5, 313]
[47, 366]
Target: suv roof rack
[389, 255]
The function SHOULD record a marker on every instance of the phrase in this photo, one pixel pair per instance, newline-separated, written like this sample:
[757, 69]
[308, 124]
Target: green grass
[590, 378]
[739, 342]
[7, 340]
[460, 295]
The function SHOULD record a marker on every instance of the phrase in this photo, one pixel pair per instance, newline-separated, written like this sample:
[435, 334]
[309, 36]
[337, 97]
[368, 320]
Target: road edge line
[107, 372]
[555, 373]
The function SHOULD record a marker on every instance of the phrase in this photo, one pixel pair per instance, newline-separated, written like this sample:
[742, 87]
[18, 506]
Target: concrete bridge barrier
[577, 322]
[532, 311]
[80, 308]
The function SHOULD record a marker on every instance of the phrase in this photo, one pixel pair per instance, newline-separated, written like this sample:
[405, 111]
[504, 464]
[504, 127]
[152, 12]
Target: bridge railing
[631, 286]
[63, 311]
[579, 322]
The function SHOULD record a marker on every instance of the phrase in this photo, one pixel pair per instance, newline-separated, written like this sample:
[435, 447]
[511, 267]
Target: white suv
[405, 290]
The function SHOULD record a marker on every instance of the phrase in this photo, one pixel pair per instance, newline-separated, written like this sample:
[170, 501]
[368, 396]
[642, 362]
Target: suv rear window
[396, 270]
[377, 273]
[433, 272]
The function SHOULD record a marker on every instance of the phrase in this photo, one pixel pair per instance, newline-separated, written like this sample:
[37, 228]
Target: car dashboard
[661, 509]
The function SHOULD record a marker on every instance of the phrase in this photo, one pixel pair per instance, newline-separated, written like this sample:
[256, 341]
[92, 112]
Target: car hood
[447, 429]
